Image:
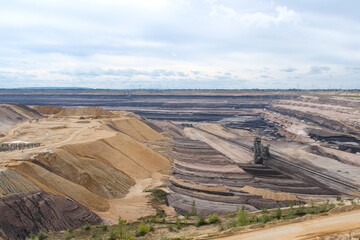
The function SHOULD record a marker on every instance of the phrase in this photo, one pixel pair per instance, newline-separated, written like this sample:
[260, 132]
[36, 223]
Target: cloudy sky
[180, 43]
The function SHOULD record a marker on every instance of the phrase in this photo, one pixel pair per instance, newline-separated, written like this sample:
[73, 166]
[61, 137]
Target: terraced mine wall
[316, 119]
[193, 117]
[6, 147]
[161, 105]
[334, 185]
[215, 183]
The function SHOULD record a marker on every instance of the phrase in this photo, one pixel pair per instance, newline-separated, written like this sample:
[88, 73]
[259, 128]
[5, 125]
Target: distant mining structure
[261, 152]
[13, 146]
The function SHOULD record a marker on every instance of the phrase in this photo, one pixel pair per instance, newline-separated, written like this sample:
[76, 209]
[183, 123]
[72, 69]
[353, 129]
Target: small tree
[193, 209]
[178, 224]
[242, 217]
[278, 213]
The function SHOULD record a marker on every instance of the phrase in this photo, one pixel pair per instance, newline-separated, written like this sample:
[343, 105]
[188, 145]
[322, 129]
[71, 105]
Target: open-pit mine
[74, 157]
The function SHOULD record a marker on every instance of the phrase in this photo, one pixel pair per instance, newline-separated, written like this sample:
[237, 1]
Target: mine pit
[220, 153]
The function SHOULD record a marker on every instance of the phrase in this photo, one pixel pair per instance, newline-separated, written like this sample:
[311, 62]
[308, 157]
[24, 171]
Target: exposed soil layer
[317, 119]
[83, 111]
[259, 125]
[22, 214]
[12, 182]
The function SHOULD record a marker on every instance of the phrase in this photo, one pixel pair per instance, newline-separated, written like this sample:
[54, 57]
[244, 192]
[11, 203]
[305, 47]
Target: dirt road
[305, 230]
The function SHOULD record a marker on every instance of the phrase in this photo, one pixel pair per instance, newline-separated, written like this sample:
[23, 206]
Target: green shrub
[290, 214]
[33, 236]
[104, 227]
[112, 236]
[121, 228]
[128, 236]
[159, 195]
[300, 211]
[200, 221]
[170, 228]
[94, 237]
[231, 223]
[254, 220]
[160, 213]
[264, 210]
[68, 235]
[264, 218]
[143, 229]
[42, 235]
[178, 224]
[291, 203]
[213, 218]
[87, 227]
[278, 213]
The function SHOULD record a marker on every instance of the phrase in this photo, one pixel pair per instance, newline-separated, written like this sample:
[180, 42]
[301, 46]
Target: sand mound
[124, 153]
[96, 176]
[22, 214]
[83, 111]
[94, 164]
[54, 184]
[48, 110]
[93, 172]
[268, 194]
[136, 129]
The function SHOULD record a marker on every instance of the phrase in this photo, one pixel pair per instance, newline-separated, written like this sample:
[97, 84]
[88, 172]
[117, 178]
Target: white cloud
[42, 40]
[279, 15]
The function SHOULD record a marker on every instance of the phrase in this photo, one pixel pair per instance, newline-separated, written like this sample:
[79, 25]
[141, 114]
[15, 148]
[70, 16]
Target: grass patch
[165, 224]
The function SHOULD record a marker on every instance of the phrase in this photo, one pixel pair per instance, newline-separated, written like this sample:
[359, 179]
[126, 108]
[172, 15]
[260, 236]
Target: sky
[180, 44]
